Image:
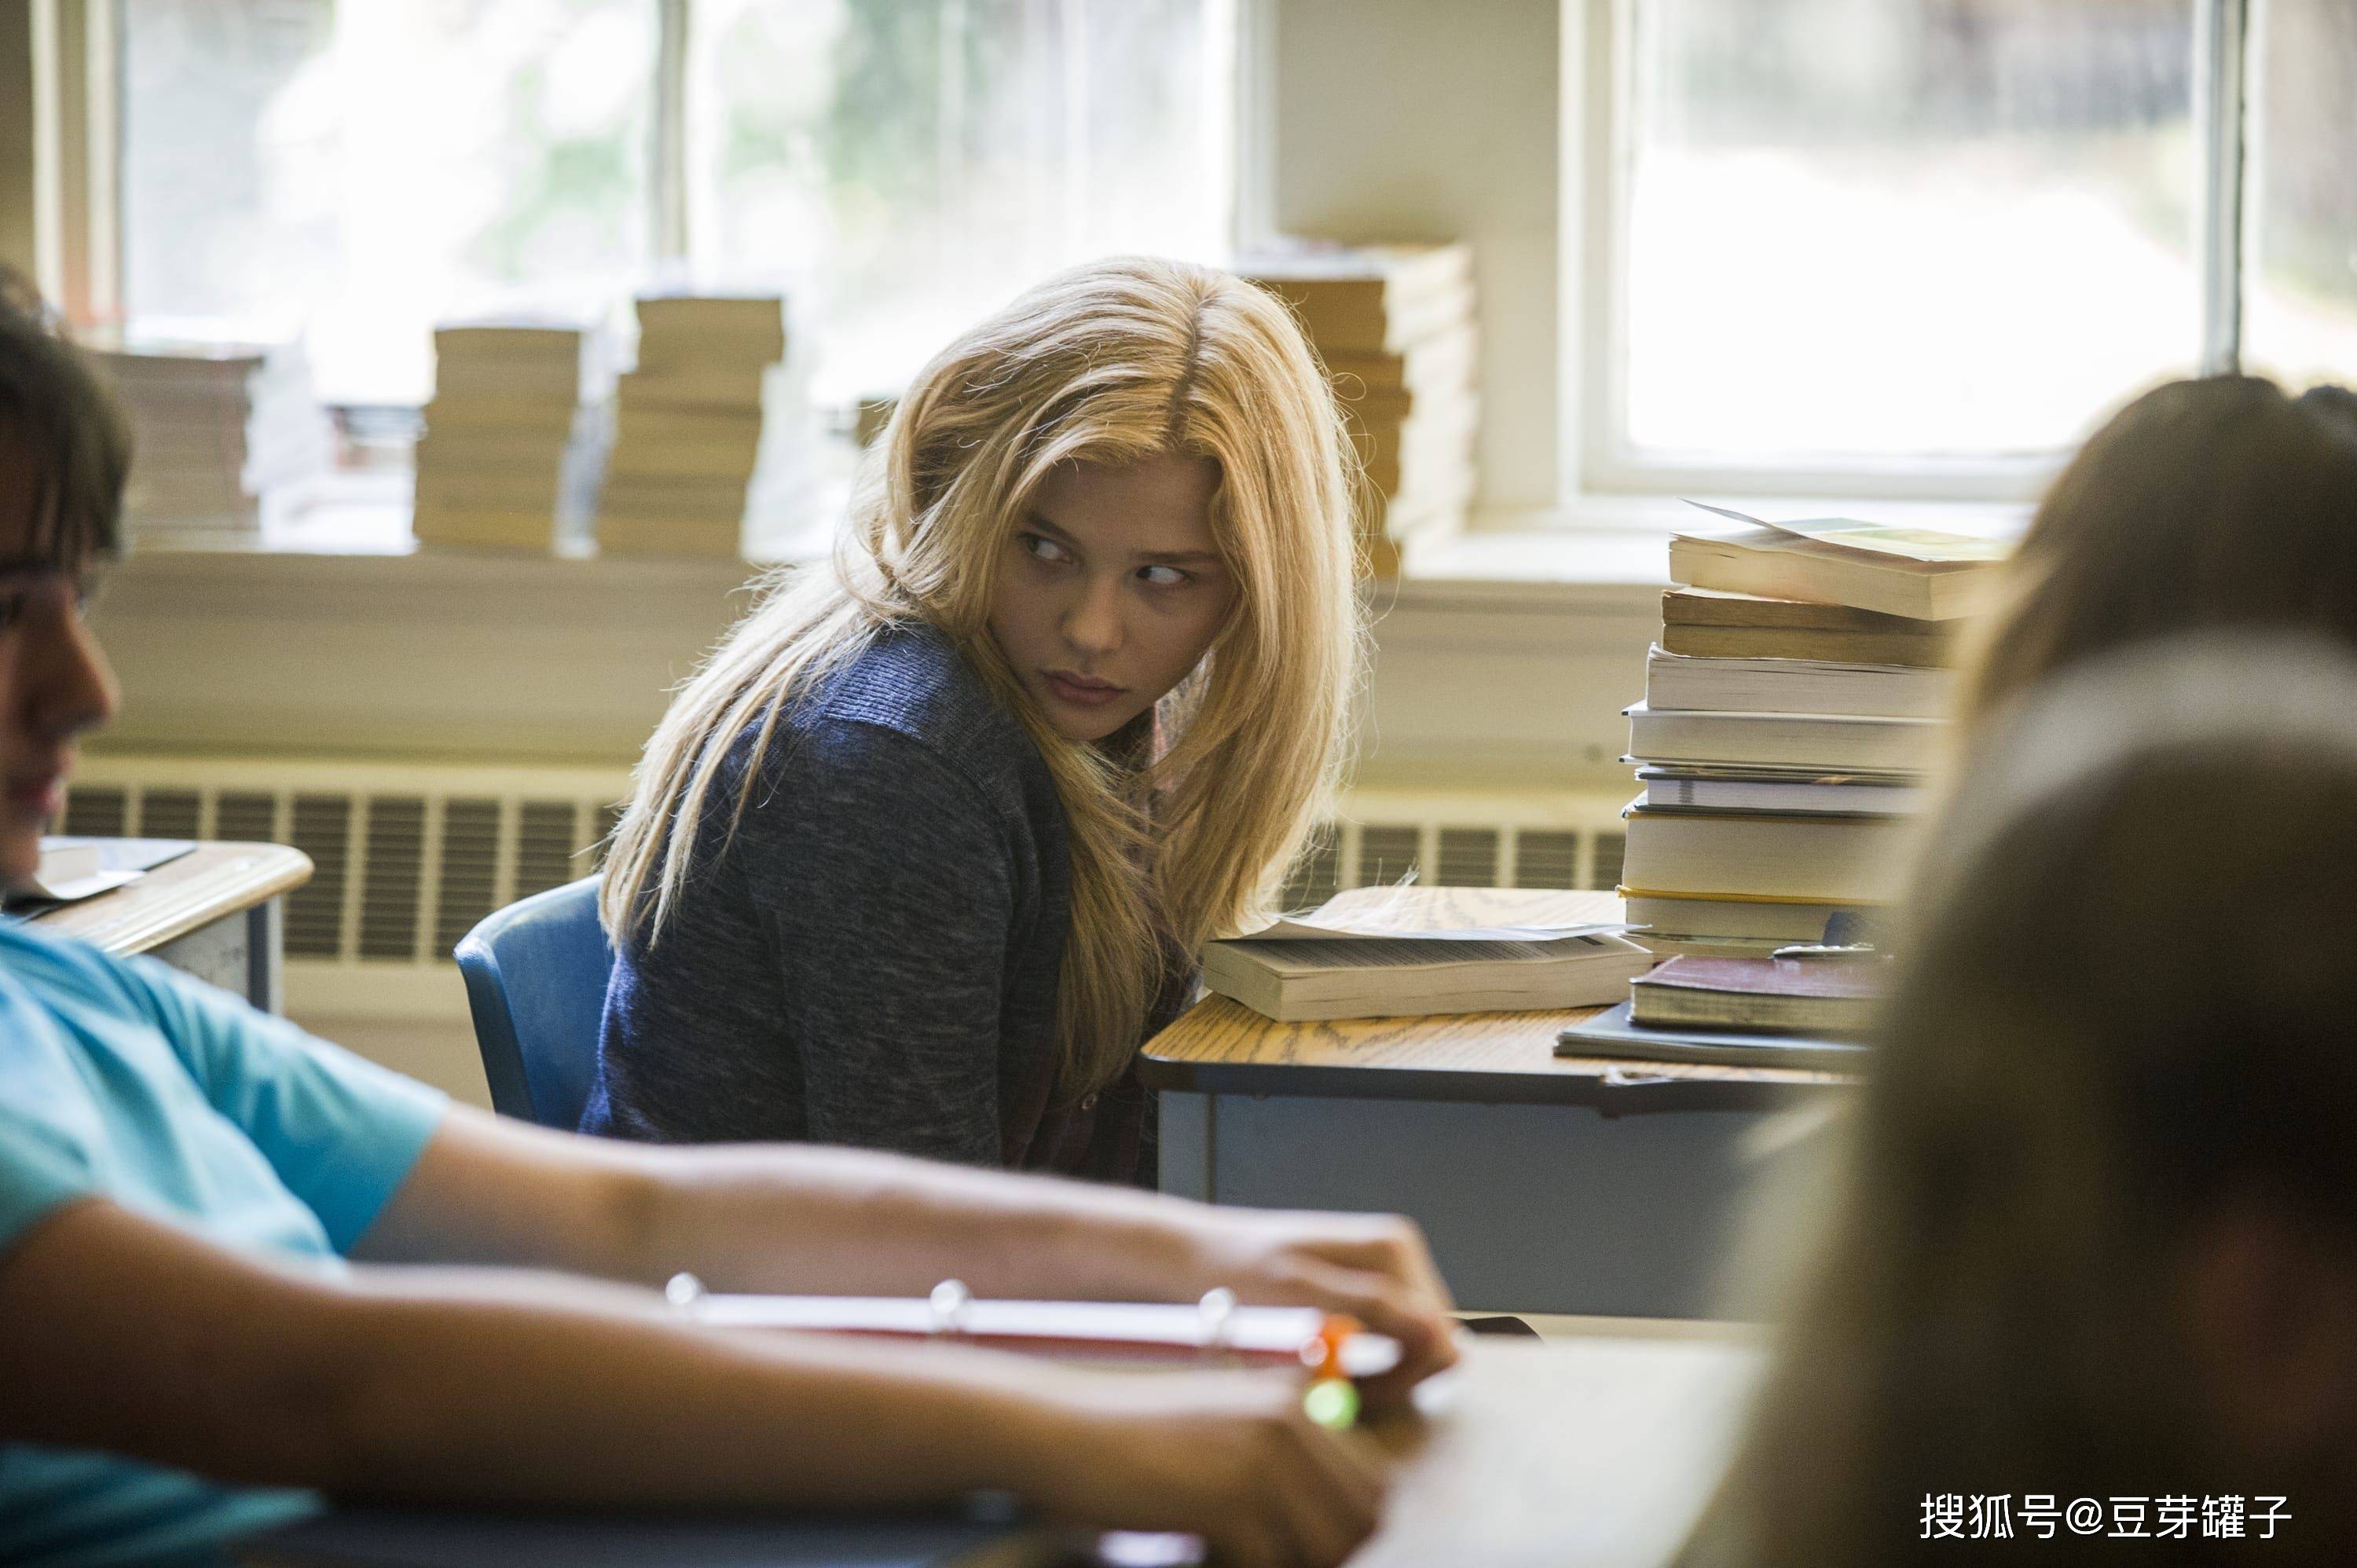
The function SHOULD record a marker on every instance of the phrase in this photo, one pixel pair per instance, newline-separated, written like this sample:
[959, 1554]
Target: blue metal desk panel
[1545, 1186]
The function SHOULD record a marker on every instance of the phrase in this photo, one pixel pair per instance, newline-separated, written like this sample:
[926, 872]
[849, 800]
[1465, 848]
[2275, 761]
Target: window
[1859, 239]
[360, 170]
[914, 163]
[2301, 321]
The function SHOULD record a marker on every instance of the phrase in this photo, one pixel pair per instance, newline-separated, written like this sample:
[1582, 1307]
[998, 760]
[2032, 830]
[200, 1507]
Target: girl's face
[54, 681]
[1111, 589]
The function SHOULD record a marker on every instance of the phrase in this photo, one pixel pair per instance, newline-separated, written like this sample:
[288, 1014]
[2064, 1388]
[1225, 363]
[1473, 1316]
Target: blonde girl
[916, 860]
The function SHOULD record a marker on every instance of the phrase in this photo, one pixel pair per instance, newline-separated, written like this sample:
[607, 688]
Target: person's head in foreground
[64, 453]
[1122, 497]
[209, 1320]
[2211, 504]
[2091, 1231]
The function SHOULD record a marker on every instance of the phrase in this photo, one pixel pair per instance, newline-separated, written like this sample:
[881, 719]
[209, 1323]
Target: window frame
[1598, 481]
[1607, 471]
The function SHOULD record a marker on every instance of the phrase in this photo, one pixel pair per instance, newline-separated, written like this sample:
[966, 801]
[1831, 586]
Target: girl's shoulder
[910, 698]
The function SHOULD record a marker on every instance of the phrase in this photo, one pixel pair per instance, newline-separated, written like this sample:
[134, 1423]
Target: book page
[1404, 912]
[1930, 546]
[1390, 953]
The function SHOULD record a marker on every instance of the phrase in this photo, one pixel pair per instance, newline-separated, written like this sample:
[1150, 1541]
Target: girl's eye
[1042, 548]
[1163, 577]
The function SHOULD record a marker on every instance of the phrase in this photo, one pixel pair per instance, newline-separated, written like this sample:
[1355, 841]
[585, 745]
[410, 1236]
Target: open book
[1394, 952]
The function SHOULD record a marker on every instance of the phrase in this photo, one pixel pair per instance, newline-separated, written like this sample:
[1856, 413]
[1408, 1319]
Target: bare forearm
[847, 1221]
[485, 1385]
[792, 1218]
[467, 1394]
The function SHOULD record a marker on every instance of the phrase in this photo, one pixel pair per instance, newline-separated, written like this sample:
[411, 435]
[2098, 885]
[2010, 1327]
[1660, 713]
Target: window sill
[1597, 553]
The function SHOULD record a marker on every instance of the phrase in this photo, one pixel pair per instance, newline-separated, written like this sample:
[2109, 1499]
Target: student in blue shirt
[199, 1335]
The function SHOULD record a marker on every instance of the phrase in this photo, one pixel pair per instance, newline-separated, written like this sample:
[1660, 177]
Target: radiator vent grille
[471, 869]
[410, 857]
[1468, 857]
[396, 864]
[321, 829]
[1610, 847]
[1547, 860]
[1461, 855]
[608, 819]
[1387, 852]
[407, 858]
[243, 818]
[171, 814]
[1317, 875]
[544, 856]
[103, 812]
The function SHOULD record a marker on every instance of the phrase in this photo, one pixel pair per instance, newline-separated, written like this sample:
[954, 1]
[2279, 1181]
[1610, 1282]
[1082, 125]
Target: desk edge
[1643, 1092]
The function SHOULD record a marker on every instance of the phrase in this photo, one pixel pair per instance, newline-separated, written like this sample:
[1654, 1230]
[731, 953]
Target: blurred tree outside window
[1881, 229]
[357, 170]
[913, 164]
[1849, 230]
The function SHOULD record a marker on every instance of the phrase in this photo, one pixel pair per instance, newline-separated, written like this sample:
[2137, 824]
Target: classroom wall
[1405, 120]
[523, 659]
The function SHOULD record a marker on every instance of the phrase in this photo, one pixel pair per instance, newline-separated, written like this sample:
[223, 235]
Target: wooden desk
[1597, 1451]
[214, 912]
[1546, 1184]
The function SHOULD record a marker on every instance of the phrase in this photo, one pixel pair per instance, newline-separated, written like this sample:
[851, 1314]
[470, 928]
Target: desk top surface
[1597, 1450]
[211, 880]
[1220, 1047]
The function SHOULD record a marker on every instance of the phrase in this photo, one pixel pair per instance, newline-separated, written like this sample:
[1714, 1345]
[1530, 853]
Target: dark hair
[2125, 1005]
[57, 417]
[2204, 504]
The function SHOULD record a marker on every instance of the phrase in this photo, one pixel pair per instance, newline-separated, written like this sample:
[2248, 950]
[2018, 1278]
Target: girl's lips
[1081, 696]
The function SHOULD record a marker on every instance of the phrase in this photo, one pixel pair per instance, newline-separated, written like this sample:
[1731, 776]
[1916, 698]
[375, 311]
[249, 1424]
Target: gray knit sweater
[872, 958]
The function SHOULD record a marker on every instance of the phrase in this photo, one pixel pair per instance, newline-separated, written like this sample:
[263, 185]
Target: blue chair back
[535, 976]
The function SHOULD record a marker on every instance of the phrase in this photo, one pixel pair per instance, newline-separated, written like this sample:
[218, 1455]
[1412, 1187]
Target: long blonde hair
[1111, 362]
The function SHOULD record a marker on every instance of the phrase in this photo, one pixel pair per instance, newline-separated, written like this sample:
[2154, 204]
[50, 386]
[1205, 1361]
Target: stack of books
[688, 425]
[512, 436]
[1395, 325]
[1791, 709]
[216, 428]
[1808, 1011]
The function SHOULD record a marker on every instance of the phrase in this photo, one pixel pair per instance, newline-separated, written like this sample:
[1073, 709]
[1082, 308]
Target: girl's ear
[2268, 1310]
